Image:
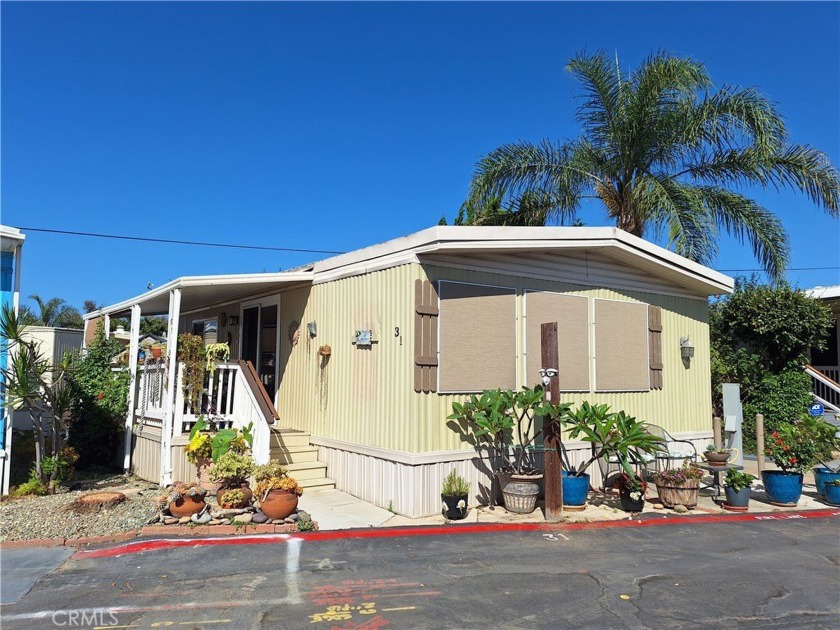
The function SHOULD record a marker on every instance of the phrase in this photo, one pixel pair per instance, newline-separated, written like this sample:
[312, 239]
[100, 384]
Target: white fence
[228, 400]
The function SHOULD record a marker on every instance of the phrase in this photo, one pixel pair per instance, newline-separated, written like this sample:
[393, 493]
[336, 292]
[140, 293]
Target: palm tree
[664, 154]
[55, 312]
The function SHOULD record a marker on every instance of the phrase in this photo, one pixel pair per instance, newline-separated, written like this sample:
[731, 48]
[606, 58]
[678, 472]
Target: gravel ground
[45, 517]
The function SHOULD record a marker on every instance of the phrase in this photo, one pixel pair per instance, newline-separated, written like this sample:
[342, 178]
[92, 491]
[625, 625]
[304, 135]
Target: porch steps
[293, 449]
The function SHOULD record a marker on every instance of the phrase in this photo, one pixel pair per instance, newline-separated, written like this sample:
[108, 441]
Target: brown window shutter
[655, 341]
[425, 336]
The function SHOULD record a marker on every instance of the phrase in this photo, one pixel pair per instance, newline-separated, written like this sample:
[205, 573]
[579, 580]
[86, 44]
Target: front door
[259, 340]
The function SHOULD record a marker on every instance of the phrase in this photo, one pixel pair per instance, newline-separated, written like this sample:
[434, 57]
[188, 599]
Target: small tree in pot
[610, 435]
[494, 418]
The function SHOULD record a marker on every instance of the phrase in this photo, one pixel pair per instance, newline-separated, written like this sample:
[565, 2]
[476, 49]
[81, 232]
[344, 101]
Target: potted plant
[234, 498]
[631, 492]
[825, 435]
[737, 488]
[157, 350]
[493, 418]
[455, 495]
[610, 434]
[679, 486]
[718, 456]
[278, 493]
[832, 491]
[186, 499]
[793, 447]
[232, 471]
[214, 353]
[207, 444]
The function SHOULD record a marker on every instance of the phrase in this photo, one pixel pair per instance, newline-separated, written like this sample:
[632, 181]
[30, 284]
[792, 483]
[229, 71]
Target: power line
[289, 249]
[788, 269]
[177, 242]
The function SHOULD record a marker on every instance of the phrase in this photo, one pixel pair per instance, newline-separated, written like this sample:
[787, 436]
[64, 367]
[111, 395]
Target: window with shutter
[477, 337]
[571, 312]
[621, 346]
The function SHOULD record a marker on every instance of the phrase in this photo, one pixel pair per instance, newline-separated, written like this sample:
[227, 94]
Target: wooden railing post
[716, 431]
[759, 441]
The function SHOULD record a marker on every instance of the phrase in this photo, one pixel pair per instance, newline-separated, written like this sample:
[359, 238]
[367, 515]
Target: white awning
[198, 292]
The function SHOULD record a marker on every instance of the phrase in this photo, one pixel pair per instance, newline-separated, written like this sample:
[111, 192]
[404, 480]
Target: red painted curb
[442, 530]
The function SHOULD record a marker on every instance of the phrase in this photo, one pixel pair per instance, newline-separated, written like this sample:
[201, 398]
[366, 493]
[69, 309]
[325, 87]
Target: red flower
[100, 395]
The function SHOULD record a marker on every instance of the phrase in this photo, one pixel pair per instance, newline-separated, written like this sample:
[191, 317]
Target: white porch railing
[825, 386]
[151, 394]
[229, 400]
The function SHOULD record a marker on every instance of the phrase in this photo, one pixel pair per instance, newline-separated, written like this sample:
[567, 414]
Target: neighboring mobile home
[11, 247]
[363, 354]
[825, 364]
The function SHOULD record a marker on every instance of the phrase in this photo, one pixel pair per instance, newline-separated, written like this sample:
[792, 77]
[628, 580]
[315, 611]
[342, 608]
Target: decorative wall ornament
[294, 333]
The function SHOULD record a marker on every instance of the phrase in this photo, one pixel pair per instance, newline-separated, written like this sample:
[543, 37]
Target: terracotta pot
[279, 504]
[246, 490]
[156, 352]
[717, 459]
[187, 506]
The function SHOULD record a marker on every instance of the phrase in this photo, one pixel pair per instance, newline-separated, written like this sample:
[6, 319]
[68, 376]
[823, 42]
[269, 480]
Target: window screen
[477, 337]
[621, 346]
[571, 312]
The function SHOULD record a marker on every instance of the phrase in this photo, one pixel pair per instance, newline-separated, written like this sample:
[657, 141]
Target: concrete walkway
[20, 569]
[334, 509]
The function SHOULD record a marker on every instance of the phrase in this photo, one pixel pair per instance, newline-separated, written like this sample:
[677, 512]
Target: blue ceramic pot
[832, 495]
[575, 489]
[782, 487]
[821, 475]
[740, 498]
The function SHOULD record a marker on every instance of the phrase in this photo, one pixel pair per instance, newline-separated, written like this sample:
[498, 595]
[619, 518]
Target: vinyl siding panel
[366, 396]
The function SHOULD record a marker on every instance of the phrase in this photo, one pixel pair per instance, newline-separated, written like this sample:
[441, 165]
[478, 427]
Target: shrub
[60, 467]
[101, 403]
[232, 468]
[738, 480]
[273, 469]
[454, 485]
[32, 487]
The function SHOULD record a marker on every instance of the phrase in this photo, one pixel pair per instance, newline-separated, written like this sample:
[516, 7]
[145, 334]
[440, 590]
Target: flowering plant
[676, 476]
[793, 446]
[634, 486]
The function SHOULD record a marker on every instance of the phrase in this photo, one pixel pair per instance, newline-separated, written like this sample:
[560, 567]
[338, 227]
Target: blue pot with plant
[737, 488]
[822, 475]
[832, 492]
[795, 447]
[575, 488]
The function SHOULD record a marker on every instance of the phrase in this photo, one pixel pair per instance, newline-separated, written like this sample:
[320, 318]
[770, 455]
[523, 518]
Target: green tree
[35, 384]
[100, 402]
[664, 153]
[761, 338]
[54, 312]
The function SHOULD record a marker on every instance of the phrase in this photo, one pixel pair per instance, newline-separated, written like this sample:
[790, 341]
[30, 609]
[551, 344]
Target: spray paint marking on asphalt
[354, 602]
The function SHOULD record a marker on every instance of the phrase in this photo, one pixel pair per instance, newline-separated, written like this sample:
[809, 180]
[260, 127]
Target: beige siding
[145, 457]
[366, 396]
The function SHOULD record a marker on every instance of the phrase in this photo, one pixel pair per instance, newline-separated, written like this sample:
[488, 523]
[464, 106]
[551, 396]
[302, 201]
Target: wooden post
[759, 441]
[551, 431]
[716, 430]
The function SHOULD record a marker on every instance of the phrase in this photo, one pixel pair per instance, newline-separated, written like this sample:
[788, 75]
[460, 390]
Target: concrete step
[287, 438]
[294, 455]
[313, 485]
[307, 470]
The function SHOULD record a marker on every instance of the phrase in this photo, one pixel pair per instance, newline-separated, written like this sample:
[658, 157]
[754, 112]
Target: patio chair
[674, 450]
[612, 465]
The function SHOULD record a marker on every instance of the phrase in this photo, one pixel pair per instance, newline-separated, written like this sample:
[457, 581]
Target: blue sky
[335, 126]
